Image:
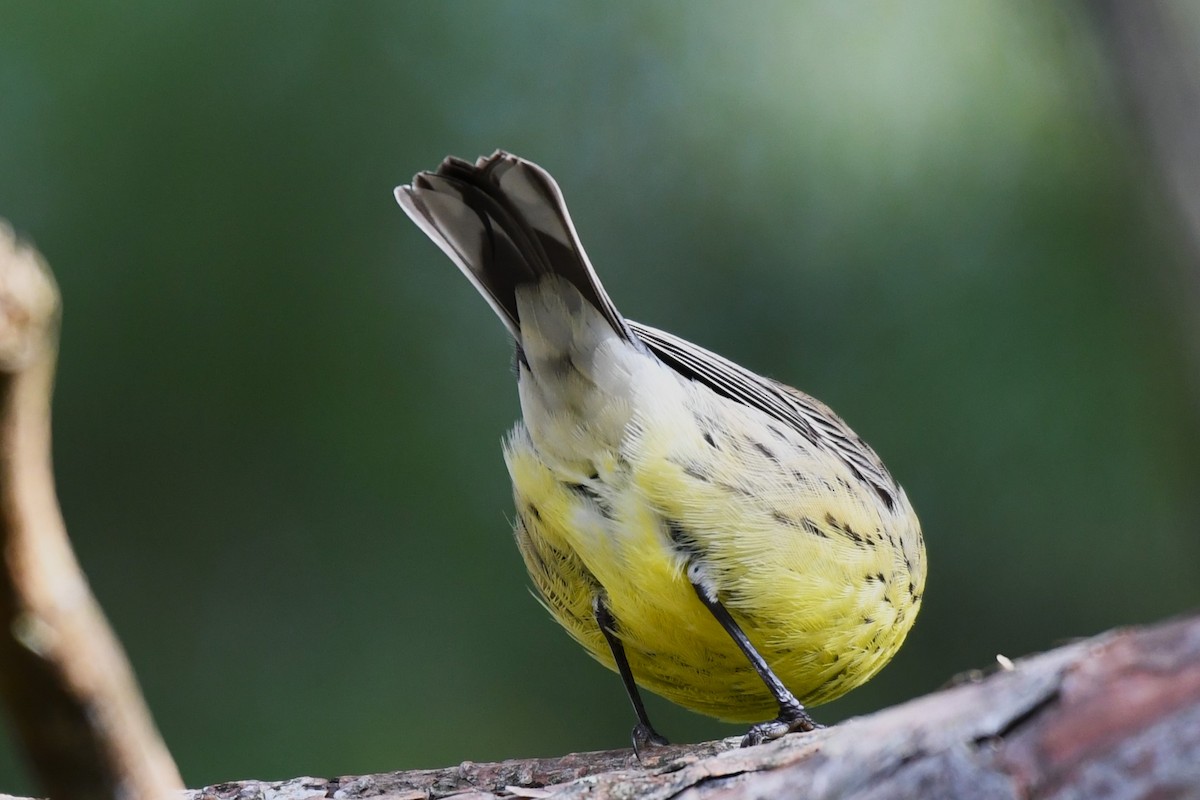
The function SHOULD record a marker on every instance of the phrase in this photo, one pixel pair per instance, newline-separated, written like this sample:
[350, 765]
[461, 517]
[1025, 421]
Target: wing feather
[809, 417]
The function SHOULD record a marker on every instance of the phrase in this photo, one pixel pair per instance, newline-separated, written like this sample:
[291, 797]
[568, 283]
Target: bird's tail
[503, 221]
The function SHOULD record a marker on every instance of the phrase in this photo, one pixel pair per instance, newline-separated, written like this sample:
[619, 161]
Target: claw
[791, 719]
[644, 736]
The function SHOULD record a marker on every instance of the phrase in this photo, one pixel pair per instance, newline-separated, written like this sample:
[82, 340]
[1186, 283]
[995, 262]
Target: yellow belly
[824, 588]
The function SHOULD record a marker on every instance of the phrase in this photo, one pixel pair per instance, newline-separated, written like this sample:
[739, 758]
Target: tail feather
[503, 221]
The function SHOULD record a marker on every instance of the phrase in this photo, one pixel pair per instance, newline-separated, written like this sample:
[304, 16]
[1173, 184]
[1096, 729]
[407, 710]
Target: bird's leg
[643, 733]
[792, 716]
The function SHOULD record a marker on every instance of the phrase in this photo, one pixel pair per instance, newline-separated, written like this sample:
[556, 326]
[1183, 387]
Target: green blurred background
[279, 407]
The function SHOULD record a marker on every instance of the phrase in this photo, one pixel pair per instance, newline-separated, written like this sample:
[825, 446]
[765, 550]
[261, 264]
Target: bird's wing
[809, 417]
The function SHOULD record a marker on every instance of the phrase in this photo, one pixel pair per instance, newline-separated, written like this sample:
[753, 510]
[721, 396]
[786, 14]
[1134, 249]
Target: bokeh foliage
[279, 407]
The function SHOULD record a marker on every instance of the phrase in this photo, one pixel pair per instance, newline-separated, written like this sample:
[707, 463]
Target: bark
[1113, 716]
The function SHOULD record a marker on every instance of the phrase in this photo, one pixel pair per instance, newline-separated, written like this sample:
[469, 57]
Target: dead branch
[69, 690]
[1113, 716]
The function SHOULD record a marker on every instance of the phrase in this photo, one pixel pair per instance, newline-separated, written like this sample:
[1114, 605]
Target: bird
[711, 535]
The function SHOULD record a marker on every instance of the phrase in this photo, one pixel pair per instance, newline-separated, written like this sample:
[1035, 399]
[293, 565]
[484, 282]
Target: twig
[68, 687]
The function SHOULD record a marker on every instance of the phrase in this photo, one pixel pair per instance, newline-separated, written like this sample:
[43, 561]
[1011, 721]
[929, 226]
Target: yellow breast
[824, 579]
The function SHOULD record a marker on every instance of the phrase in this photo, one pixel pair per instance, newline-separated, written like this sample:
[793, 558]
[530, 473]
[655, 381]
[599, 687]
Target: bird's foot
[791, 719]
[644, 737]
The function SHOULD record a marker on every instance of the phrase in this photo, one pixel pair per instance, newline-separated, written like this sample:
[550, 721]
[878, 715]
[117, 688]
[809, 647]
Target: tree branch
[1116, 715]
[69, 690]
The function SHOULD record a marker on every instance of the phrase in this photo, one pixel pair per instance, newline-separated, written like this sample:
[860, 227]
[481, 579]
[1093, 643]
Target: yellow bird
[712, 535]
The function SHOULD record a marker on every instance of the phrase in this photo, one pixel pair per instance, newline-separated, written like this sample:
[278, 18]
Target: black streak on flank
[735, 489]
[886, 497]
[766, 451]
[692, 471]
[682, 539]
[848, 532]
[784, 519]
[708, 437]
[806, 524]
[812, 528]
[583, 490]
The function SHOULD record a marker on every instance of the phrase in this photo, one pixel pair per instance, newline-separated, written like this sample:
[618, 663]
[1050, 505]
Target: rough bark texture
[1111, 717]
[71, 696]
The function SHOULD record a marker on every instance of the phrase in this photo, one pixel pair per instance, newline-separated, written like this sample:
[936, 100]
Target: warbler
[710, 534]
